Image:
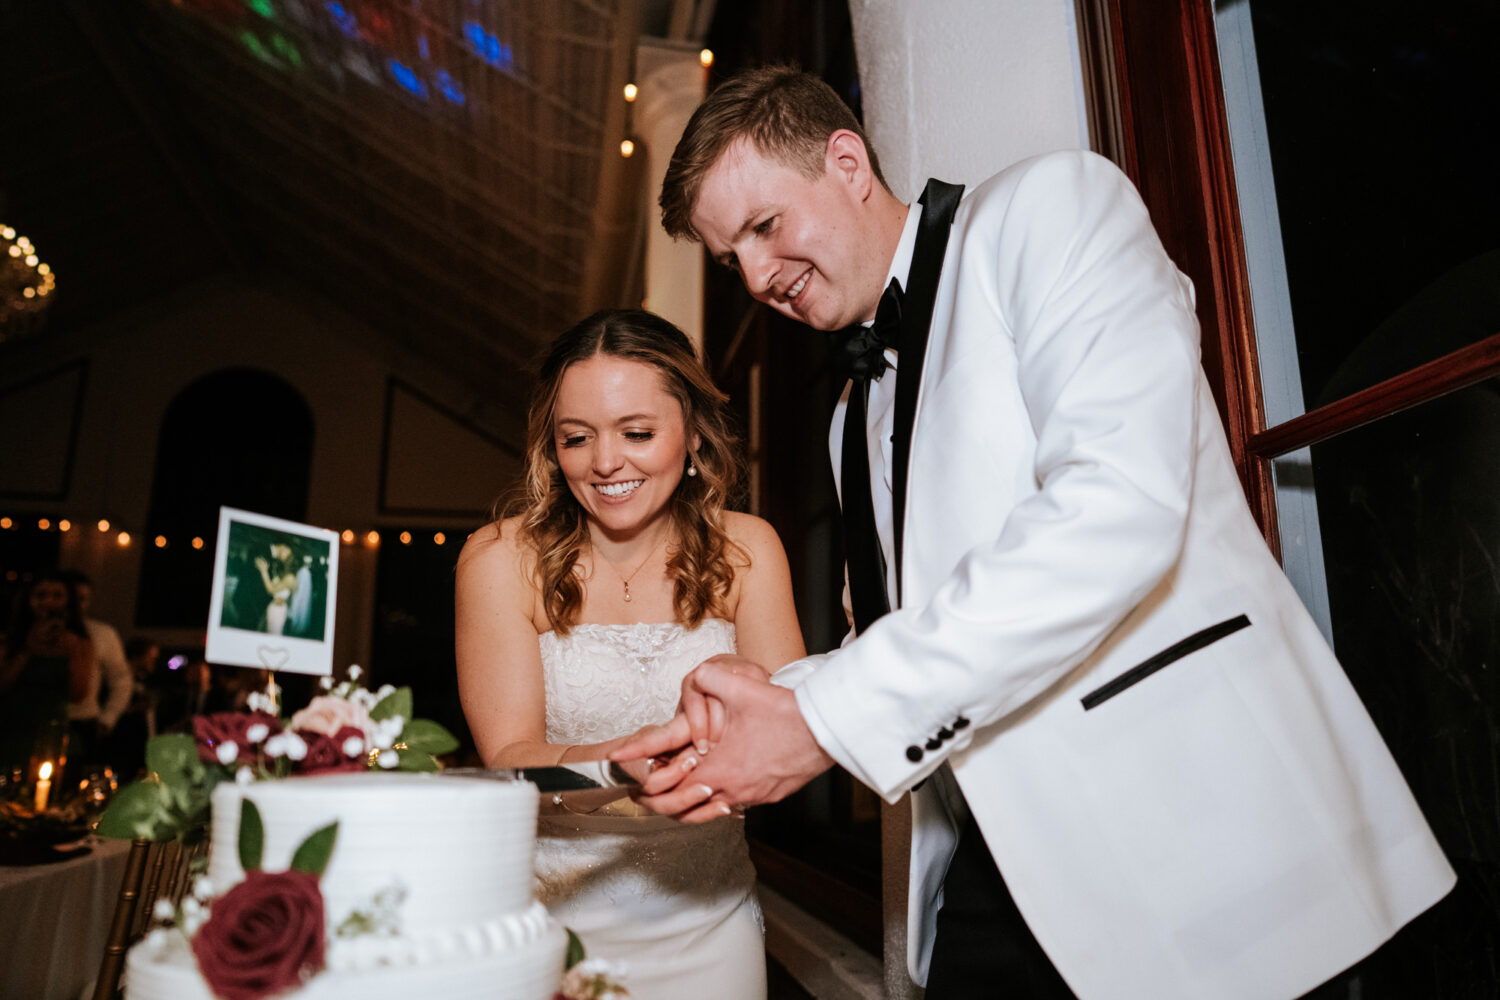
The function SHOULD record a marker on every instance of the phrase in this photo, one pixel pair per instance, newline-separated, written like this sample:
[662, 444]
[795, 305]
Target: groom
[1136, 769]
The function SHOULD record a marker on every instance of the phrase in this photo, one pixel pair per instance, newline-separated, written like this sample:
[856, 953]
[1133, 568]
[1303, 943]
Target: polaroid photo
[274, 588]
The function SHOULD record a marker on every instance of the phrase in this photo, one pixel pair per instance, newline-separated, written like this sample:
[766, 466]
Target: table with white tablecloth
[53, 922]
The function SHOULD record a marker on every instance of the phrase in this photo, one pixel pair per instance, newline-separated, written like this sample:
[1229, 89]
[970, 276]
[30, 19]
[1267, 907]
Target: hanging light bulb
[26, 285]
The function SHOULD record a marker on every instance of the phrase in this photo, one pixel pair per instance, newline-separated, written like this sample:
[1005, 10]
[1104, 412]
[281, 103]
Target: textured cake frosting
[457, 851]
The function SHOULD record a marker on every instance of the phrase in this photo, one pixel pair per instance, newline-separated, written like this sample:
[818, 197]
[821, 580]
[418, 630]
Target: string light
[630, 91]
[124, 538]
[626, 148]
[706, 57]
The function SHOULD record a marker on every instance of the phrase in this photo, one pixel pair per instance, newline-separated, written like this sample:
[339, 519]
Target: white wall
[672, 83]
[958, 89]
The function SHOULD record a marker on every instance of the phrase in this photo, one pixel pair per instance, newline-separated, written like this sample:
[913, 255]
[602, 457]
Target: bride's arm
[499, 662]
[765, 614]
[767, 634]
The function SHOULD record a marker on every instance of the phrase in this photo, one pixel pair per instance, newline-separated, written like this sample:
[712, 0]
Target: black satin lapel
[939, 202]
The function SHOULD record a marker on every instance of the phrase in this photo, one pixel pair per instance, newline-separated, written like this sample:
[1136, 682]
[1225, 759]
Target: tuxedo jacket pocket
[1173, 653]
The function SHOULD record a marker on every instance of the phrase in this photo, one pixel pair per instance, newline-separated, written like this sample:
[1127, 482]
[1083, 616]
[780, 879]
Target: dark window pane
[237, 438]
[1410, 509]
[1384, 125]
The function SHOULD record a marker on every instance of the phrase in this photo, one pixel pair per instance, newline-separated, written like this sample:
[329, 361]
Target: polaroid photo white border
[246, 639]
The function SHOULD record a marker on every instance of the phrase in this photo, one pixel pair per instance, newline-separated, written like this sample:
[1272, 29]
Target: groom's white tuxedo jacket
[1176, 779]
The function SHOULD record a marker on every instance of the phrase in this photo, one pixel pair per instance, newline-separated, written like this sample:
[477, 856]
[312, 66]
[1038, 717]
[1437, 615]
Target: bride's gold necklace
[626, 579]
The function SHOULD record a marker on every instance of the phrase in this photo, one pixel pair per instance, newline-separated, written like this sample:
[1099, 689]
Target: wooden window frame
[1157, 109]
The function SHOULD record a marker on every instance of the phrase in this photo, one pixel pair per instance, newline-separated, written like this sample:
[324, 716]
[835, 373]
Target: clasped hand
[736, 740]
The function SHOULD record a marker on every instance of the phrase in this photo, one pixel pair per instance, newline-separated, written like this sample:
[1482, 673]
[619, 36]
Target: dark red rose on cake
[263, 936]
[331, 753]
[213, 731]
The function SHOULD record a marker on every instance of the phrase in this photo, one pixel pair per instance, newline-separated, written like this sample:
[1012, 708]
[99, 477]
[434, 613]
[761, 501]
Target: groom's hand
[765, 751]
[705, 713]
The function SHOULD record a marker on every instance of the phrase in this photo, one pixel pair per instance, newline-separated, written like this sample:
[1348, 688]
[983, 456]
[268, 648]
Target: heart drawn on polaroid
[274, 657]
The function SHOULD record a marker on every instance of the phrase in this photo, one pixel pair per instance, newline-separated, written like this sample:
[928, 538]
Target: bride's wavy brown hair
[554, 524]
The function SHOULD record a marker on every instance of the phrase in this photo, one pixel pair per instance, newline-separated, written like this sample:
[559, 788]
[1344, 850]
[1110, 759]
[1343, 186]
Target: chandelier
[26, 285]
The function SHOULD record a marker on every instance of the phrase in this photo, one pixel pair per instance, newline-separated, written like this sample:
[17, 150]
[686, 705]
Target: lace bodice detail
[604, 681]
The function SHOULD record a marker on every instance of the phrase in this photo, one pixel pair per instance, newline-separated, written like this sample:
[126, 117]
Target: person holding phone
[46, 662]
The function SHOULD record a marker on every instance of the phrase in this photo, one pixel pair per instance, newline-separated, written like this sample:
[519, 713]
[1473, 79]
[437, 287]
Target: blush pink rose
[327, 714]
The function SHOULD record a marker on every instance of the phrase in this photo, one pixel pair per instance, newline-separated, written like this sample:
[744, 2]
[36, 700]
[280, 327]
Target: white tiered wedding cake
[427, 891]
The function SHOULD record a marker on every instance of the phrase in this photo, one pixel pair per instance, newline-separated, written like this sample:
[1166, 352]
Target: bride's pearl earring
[692, 469]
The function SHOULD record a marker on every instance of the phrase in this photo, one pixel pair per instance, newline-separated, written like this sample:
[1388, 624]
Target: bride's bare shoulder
[750, 532]
[497, 547]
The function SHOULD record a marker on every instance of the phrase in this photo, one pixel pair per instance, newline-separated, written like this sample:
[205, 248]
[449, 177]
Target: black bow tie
[859, 351]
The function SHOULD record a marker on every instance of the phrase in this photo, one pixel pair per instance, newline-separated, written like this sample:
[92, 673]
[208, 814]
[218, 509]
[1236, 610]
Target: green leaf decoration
[426, 736]
[576, 953]
[135, 811]
[252, 836]
[412, 761]
[398, 702]
[313, 853]
[173, 757]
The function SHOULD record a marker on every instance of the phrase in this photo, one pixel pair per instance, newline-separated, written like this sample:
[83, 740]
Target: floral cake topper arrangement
[347, 728]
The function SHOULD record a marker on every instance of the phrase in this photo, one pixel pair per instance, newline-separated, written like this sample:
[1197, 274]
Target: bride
[579, 615]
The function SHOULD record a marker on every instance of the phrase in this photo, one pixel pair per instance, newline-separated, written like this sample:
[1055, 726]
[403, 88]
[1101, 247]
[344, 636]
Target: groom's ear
[848, 160]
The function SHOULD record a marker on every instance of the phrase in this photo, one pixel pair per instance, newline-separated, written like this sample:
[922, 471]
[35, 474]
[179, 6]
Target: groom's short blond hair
[786, 114]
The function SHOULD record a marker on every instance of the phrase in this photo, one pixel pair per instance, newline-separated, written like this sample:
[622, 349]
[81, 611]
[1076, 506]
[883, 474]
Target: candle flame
[45, 772]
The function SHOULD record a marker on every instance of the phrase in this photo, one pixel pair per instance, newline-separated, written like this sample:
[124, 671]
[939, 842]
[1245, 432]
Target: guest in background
[228, 689]
[125, 747]
[110, 682]
[45, 663]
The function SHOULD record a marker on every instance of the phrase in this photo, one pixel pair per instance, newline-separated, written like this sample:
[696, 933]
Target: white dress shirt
[880, 416]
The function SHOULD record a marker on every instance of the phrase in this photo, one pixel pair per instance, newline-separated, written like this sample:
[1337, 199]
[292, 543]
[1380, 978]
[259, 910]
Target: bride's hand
[656, 750]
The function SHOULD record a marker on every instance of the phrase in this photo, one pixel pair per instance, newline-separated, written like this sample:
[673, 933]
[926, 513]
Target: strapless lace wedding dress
[675, 903]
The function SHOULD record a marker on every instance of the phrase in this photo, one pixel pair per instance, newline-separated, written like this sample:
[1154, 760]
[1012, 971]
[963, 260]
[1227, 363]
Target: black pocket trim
[1176, 651]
